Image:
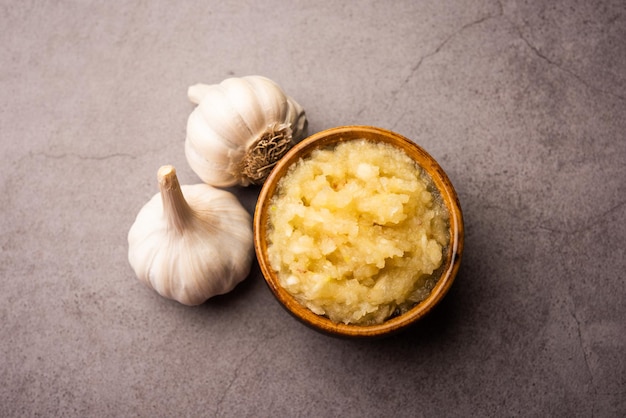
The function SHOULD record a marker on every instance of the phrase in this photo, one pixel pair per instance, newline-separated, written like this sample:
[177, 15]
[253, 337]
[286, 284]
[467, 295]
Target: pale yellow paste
[356, 232]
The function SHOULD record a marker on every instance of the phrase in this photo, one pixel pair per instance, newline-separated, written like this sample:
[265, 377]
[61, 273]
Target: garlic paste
[356, 232]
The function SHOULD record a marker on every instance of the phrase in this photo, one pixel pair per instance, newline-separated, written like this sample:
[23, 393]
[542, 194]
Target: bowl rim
[448, 194]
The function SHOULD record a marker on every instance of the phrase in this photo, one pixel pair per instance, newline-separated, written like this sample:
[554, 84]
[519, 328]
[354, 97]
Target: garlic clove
[223, 117]
[206, 141]
[217, 171]
[243, 97]
[274, 107]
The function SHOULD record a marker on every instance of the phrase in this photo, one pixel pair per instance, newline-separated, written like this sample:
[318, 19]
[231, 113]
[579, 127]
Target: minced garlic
[356, 232]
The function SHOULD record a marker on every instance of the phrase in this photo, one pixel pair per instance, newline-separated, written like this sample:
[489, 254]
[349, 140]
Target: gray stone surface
[522, 102]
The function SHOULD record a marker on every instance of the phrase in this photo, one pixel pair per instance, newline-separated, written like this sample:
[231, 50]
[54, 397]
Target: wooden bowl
[453, 251]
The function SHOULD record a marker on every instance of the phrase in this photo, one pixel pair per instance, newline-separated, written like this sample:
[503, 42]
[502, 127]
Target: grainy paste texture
[356, 232]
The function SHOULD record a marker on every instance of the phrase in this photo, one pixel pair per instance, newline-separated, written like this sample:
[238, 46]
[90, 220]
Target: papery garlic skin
[190, 243]
[239, 130]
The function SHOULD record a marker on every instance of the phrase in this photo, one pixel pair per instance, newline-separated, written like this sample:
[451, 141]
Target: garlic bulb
[192, 242]
[240, 129]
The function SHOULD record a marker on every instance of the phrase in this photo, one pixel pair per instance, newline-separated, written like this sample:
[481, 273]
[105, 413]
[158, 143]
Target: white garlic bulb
[192, 242]
[240, 129]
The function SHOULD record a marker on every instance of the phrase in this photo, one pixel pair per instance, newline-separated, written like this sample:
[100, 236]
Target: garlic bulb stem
[175, 207]
[197, 92]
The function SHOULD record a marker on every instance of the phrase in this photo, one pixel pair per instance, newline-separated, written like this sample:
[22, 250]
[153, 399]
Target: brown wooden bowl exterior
[451, 261]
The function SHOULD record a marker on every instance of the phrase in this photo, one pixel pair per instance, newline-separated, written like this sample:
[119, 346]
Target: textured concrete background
[522, 102]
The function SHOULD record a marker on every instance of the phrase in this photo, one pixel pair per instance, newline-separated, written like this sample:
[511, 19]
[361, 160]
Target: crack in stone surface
[85, 157]
[500, 14]
[590, 224]
[419, 63]
[415, 68]
[235, 376]
[537, 52]
[594, 390]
